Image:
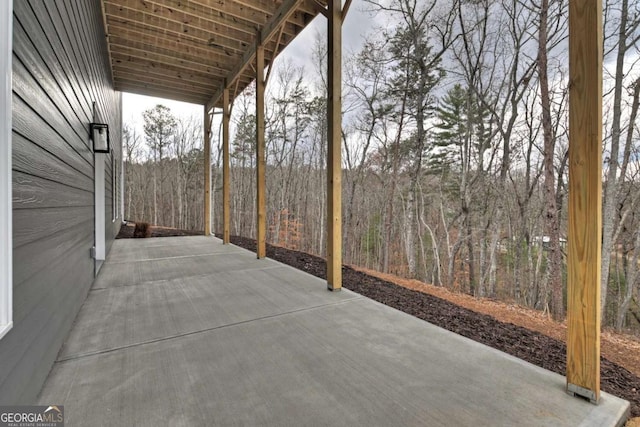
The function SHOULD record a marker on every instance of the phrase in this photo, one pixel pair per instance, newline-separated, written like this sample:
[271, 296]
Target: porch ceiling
[188, 50]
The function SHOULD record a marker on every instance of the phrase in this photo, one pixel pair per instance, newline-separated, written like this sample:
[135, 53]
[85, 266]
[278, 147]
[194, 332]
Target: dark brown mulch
[531, 346]
[126, 231]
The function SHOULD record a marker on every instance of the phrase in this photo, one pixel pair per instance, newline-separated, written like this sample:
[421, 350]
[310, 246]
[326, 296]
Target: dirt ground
[619, 348]
[126, 231]
[521, 332]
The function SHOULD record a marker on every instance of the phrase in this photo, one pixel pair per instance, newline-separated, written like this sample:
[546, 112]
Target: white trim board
[6, 245]
[121, 213]
[100, 245]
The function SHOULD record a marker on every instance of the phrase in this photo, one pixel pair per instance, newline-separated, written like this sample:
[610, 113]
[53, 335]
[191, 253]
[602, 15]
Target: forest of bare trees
[455, 140]
[164, 175]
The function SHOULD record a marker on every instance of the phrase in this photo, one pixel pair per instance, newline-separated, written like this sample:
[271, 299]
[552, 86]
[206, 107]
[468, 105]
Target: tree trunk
[470, 257]
[631, 278]
[552, 226]
[155, 193]
[610, 196]
[409, 236]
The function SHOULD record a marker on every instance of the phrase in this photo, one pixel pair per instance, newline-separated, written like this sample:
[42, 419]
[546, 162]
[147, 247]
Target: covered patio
[207, 52]
[188, 331]
[197, 331]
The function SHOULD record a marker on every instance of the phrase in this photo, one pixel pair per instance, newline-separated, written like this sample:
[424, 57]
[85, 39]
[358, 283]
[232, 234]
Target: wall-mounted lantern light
[100, 137]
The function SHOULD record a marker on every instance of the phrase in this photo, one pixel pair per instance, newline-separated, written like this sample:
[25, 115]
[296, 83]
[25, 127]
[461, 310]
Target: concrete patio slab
[186, 331]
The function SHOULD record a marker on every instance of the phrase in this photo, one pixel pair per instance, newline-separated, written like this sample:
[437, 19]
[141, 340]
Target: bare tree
[159, 125]
[628, 36]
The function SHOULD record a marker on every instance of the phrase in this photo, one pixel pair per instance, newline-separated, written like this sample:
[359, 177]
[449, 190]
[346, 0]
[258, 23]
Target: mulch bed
[531, 346]
[126, 232]
[534, 347]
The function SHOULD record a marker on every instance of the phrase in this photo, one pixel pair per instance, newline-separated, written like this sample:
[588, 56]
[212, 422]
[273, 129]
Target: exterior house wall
[60, 69]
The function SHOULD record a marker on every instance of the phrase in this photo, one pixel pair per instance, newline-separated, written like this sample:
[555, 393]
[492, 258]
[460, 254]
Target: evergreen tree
[463, 131]
[451, 130]
[244, 142]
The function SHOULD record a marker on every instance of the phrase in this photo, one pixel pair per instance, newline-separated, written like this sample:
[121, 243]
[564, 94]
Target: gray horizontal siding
[32, 191]
[60, 68]
[50, 250]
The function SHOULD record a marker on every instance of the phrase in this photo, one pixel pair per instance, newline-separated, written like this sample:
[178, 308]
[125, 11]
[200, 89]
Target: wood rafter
[275, 53]
[319, 8]
[142, 66]
[148, 83]
[159, 24]
[171, 44]
[187, 49]
[185, 56]
[162, 92]
[266, 34]
[223, 44]
[148, 76]
[141, 53]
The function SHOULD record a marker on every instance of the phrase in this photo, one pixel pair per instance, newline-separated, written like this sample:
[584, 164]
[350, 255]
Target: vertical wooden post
[226, 201]
[207, 173]
[334, 138]
[261, 243]
[585, 198]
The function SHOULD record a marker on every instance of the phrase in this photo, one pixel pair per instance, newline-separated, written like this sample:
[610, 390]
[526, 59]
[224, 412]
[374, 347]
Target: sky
[358, 23]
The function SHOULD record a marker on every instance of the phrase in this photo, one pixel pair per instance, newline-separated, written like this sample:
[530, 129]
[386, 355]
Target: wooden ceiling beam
[211, 67]
[169, 42]
[219, 21]
[261, 7]
[188, 62]
[317, 6]
[310, 7]
[158, 92]
[270, 7]
[124, 60]
[158, 84]
[171, 48]
[163, 69]
[187, 49]
[118, 26]
[164, 20]
[152, 63]
[170, 80]
[266, 34]
[230, 10]
[162, 82]
[164, 25]
[214, 17]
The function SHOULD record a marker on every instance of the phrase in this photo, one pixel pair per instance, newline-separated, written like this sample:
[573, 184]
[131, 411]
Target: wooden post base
[577, 391]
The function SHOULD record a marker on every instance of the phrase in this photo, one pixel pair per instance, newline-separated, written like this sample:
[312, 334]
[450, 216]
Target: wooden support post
[585, 198]
[207, 173]
[261, 229]
[226, 200]
[334, 138]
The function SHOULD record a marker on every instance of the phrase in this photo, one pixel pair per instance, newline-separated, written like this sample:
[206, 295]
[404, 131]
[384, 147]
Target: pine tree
[451, 130]
[244, 145]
